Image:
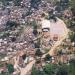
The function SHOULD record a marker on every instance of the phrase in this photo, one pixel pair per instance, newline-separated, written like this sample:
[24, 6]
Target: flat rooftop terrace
[57, 27]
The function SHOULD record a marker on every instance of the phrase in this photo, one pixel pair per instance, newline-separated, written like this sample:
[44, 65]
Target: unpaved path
[23, 71]
[63, 37]
[28, 68]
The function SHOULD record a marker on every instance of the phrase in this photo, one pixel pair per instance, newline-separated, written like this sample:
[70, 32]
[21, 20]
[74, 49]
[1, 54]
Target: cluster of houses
[23, 48]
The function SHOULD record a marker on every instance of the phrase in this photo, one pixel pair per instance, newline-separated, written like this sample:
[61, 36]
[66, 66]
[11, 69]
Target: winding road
[24, 71]
[63, 37]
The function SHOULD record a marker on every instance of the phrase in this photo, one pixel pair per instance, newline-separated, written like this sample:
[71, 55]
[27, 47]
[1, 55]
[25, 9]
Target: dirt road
[28, 68]
[23, 71]
[64, 35]
[52, 50]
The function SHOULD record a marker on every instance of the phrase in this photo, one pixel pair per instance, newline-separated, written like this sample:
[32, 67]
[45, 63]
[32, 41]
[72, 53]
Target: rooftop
[56, 28]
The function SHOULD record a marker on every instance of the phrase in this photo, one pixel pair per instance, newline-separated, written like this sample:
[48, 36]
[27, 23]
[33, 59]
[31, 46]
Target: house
[45, 25]
[54, 60]
[67, 14]
[73, 49]
[11, 3]
[31, 52]
[64, 58]
[3, 69]
[55, 38]
[5, 59]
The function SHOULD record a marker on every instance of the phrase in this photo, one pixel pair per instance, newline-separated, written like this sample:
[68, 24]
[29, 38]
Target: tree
[49, 69]
[52, 16]
[36, 72]
[37, 44]
[48, 57]
[38, 61]
[38, 53]
[4, 73]
[10, 68]
[11, 24]
[60, 52]
[34, 24]
[72, 5]
[13, 39]
[5, 35]
[17, 2]
[35, 32]
[62, 70]
[5, 2]
[72, 37]
[72, 67]
[35, 3]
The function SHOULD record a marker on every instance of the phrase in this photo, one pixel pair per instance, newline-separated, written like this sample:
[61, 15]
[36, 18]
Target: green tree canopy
[36, 72]
[37, 44]
[72, 5]
[50, 69]
[17, 2]
[35, 3]
[5, 73]
[72, 36]
[48, 57]
[10, 68]
[38, 53]
[72, 67]
[34, 24]
[11, 24]
[63, 70]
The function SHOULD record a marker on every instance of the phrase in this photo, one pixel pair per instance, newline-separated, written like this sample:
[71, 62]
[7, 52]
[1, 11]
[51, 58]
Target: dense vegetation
[72, 36]
[11, 24]
[72, 67]
[38, 53]
[5, 73]
[34, 24]
[35, 3]
[17, 2]
[48, 57]
[51, 69]
[10, 68]
[72, 5]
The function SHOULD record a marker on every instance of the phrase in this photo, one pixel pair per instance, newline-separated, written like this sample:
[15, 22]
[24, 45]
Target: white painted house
[45, 25]
[56, 29]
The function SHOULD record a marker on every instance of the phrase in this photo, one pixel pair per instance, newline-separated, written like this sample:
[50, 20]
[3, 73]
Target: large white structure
[45, 25]
[56, 28]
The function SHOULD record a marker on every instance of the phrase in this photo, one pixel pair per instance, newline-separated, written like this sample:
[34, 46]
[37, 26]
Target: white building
[45, 25]
[56, 29]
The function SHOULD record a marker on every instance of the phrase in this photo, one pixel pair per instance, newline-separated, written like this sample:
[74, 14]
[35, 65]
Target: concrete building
[45, 25]
[56, 29]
